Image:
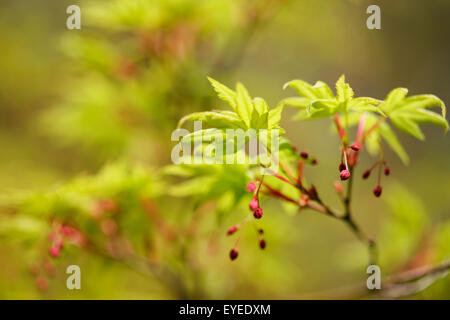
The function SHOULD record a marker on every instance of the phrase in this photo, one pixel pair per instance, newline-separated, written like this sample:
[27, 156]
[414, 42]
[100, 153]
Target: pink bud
[54, 251]
[251, 186]
[254, 204]
[232, 230]
[345, 174]
[258, 213]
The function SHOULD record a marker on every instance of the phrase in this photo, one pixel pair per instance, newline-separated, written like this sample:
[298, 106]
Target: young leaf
[244, 105]
[320, 90]
[343, 90]
[275, 116]
[215, 119]
[224, 93]
[407, 113]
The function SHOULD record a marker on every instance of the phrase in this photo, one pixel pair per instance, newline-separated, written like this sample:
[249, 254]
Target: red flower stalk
[362, 123]
[340, 130]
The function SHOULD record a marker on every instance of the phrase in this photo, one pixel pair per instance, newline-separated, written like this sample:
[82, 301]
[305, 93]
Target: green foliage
[247, 113]
[318, 101]
[404, 113]
[75, 203]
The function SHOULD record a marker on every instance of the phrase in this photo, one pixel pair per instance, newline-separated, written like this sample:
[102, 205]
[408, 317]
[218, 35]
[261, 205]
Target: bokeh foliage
[85, 123]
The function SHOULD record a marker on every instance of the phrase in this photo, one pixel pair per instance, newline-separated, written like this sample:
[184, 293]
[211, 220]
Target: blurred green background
[110, 94]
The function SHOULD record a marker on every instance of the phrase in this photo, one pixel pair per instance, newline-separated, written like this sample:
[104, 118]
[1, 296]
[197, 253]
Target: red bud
[258, 213]
[355, 147]
[304, 154]
[254, 204]
[345, 174]
[366, 174]
[377, 191]
[262, 243]
[232, 230]
[233, 254]
[251, 186]
[341, 167]
[387, 171]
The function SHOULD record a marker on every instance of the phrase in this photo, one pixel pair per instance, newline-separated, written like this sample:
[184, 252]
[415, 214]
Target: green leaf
[224, 93]
[259, 121]
[244, 105]
[275, 116]
[320, 90]
[260, 105]
[407, 113]
[215, 119]
[408, 126]
[343, 90]
[389, 136]
[363, 104]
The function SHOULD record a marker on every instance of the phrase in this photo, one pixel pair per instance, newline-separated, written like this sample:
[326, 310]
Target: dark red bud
[258, 213]
[345, 174]
[233, 254]
[355, 147]
[304, 154]
[314, 162]
[366, 174]
[377, 191]
[260, 231]
[387, 171]
[262, 243]
[341, 167]
[232, 230]
[313, 193]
